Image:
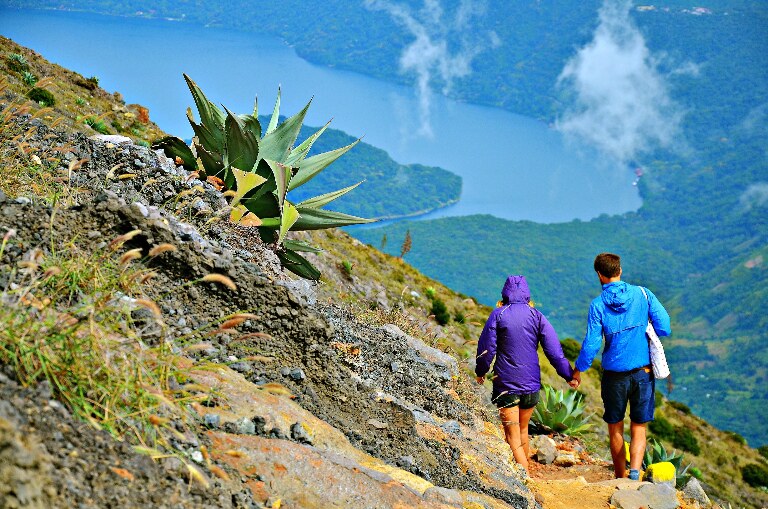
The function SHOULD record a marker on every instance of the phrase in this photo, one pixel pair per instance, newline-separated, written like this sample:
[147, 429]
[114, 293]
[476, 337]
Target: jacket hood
[515, 290]
[617, 296]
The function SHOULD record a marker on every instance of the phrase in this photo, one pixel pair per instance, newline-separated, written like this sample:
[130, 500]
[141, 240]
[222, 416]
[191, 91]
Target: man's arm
[593, 340]
[658, 315]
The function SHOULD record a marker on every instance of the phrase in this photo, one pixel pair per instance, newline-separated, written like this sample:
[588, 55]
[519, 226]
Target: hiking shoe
[634, 475]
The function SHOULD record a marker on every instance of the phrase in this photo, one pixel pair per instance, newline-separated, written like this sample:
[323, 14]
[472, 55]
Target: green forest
[700, 240]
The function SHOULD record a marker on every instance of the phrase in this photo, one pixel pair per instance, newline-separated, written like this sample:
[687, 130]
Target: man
[621, 314]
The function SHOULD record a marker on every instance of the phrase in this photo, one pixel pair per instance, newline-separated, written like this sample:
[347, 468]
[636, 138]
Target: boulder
[566, 459]
[694, 492]
[546, 452]
[651, 496]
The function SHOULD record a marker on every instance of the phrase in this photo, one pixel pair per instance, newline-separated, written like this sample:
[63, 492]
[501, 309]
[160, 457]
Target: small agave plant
[259, 168]
[655, 452]
[562, 411]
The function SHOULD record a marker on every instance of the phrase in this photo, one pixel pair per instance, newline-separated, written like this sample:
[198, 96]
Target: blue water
[512, 166]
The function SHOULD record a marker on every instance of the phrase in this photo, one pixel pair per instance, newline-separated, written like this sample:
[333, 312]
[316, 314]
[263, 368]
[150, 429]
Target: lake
[512, 166]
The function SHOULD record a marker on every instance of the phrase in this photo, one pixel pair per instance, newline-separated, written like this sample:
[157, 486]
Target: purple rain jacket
[512, 335]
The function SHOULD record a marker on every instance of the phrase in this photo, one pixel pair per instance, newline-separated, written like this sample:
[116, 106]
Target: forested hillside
[699, 241]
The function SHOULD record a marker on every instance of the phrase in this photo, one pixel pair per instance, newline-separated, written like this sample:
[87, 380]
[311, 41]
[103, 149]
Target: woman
[511, 336]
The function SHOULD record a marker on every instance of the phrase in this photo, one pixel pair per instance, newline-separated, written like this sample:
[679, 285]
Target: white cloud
[621, 100]
[755, 195]
[430, 57]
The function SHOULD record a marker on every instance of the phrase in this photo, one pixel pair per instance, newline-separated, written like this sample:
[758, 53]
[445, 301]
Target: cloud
[755, 195]
[442, 49]
[621, 100]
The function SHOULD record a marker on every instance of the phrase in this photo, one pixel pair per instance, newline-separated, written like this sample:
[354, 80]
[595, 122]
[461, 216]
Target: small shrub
[28, 78]
[80, 101]
[17, 62]
[41, 96]
[346, 266]
[430, 293]
[662, 428]
[94, 80]
[680, 406]
[658, 400]
[117, 126]
[562, 411]
[736, 437]
[696, 472]
[459, 317]
[686, 440]
[143, 143]
[440, 311]
[571, 348]
[96, 124]
[763, 450]
[755, 475]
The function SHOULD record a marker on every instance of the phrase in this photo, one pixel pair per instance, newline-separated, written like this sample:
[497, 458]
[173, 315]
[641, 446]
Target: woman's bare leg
[510, 420]
[525, 417]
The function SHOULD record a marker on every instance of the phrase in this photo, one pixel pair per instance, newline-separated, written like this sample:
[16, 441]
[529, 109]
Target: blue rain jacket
[512, 335]
[621, 314]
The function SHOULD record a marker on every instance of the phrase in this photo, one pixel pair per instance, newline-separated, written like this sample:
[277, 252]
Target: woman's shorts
[524, 401]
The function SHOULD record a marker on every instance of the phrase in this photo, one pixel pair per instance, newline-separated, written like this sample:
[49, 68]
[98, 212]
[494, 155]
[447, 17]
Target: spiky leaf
[299, 265]
[282, 176]
[276, 145]
[246, 182]
[288, 218]
[310, 167]
[210, 115]
[174, 147]
[275, 114]
[242, 147]
[299, 153]
[319, 219]
[298, 245]
[325, 199]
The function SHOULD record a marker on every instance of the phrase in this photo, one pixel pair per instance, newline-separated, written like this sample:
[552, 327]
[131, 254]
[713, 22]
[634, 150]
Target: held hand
[576, 380]
[480, 379]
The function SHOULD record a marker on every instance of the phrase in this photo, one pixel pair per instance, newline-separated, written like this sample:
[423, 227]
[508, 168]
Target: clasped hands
[576, 380]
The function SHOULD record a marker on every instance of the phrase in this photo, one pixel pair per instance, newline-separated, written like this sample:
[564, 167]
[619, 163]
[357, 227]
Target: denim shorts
[637, 388]
[508, 400]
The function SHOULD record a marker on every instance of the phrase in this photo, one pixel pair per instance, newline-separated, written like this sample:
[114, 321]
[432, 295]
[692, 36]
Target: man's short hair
[608, 264]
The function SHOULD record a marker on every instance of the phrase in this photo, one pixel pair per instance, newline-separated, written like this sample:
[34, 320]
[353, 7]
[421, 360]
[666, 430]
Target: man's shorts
[525, 401]
[636, 387]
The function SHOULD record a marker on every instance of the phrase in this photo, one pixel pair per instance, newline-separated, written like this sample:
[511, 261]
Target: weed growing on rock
[70, 318]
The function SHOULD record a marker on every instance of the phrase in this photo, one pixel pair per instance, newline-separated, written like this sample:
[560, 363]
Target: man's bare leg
[636, 445]
[510, 420]
[618, 453]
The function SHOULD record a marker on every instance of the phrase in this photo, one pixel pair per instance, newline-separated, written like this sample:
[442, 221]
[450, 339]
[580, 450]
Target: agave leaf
[310, 167]
[288, 218]
[263, 204]
[251, 124]
[299, 265]
[276, 145]
[275, 114]
[246, 181]
[205, 137]
[325, 199]
[299, 153]
[282, 175]
[210, 115]
[318, 219]
[242, 147]
[298, 245]
[175, 147]
[213, 165]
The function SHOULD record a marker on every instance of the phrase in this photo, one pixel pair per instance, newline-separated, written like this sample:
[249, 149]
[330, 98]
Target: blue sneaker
[634, 475]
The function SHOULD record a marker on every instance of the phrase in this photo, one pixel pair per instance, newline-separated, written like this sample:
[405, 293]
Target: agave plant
[260, 167]
[562, 411]
[655, 452]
